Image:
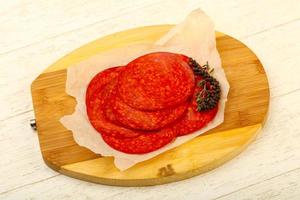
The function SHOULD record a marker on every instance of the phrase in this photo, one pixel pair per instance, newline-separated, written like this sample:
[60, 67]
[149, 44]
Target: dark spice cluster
[209, 96]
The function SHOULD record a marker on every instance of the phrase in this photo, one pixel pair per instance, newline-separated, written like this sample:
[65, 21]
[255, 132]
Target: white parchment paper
[194, 37]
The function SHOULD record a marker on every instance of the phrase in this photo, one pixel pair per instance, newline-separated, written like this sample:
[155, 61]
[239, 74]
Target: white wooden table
[34, 34]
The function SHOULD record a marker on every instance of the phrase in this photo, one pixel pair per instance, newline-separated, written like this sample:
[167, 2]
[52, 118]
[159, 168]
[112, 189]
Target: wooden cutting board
[245, 113]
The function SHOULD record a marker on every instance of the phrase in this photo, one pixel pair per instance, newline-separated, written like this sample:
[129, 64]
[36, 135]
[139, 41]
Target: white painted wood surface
[35, 33]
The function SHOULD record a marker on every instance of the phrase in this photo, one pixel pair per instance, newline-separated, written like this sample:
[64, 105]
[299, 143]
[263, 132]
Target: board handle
[33, 124]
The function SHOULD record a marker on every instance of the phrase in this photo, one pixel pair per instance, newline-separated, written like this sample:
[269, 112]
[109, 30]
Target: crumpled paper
[194, 37]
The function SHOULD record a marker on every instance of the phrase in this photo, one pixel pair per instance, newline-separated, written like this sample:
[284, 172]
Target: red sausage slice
[156, 81]
[144, 143]
[97, 95]
[144, 120]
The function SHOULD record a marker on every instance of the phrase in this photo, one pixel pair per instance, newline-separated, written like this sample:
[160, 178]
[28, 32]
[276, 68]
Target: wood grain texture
[245, 114]
[285, 186]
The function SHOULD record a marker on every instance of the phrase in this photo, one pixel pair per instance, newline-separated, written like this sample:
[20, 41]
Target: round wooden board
[245, 114]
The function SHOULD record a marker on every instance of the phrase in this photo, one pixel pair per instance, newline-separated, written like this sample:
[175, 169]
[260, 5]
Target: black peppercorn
[209, 96]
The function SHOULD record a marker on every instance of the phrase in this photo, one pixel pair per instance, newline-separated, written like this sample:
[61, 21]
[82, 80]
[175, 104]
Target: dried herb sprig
[209, 95]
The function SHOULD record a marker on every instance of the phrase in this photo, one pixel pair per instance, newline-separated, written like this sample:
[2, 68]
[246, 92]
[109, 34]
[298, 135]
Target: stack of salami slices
[143, 106]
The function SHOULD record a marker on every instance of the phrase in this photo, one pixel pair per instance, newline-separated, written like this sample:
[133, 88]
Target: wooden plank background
[35, 33]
